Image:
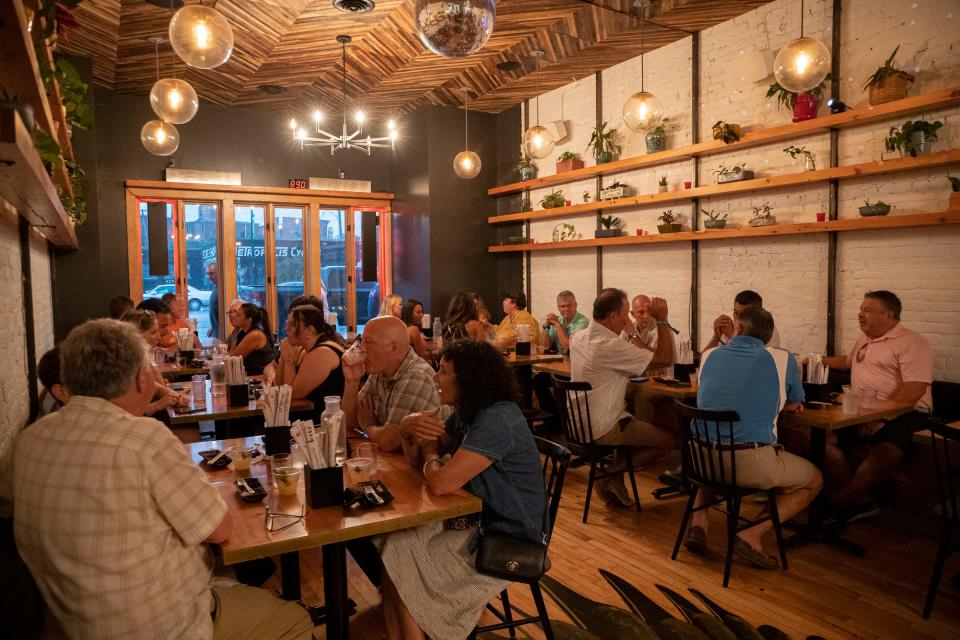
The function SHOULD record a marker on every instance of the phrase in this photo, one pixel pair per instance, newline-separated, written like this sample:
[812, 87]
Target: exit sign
[299, 183]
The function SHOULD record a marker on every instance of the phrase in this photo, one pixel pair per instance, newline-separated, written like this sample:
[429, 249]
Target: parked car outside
[197, 298]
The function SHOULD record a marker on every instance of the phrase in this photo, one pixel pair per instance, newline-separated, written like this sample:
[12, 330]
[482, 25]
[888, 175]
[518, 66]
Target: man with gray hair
[110, 513]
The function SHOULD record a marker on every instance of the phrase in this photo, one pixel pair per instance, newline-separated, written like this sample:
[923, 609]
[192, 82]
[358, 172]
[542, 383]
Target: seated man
[599, 355]
[757, 382]
[167, 339]
[115, 541]
[723, 325]
[897, 364]
[559, 329]
[118, 306]
[400, 383]
[515, 306]
[54, 394]
[646, 330]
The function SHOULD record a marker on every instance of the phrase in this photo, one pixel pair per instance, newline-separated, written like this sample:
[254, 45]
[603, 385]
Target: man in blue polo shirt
[758, 382]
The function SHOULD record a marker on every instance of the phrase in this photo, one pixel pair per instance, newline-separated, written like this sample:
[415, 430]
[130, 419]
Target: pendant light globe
[538, 142]
[801, 65]
[160, 138]
[201, 36]
[174, 100]
[642, 111]
[466, 165]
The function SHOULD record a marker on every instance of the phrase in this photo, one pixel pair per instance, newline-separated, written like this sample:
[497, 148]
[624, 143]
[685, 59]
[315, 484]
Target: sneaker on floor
[696, 541]
[676, 473]
[616, 494]
[756, 557]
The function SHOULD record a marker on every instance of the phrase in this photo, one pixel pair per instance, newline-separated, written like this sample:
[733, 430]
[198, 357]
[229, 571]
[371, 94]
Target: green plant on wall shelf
[47, 148]
[713, 215]
[736, 169]
[73, 92]
[954, 183]
[663, 181]
[567, 155]
[887, 71]
[601, 141]
[725, 133]
[667, 217]
[913, 138]
[787, 98]
[553, 200]
[610, 222]
[660, 126]
[76, 206]
[616, 184]
[762, 214]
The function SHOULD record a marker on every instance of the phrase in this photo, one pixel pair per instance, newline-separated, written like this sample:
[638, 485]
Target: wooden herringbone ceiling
[291, 44]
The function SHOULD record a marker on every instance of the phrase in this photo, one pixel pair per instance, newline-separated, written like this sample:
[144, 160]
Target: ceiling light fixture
[201, 36]
[454, 28]
[466, 164]
[354, 6]
[172, 99]
[801, 65]
[538, 142]
[321, 138]
[642, 111]
[158, 137]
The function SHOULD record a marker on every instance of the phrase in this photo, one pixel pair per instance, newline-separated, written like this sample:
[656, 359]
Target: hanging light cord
[344, 74]
[466, 107]
[156, 56]
[801, 18]
[641, 53]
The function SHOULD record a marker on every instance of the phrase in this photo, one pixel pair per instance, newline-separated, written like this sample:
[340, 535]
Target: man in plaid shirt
[111, 515]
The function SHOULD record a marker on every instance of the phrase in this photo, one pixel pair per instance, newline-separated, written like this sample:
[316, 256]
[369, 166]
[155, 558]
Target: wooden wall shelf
[853, 118]
[848, 172]
[24, 183]
[851, 224]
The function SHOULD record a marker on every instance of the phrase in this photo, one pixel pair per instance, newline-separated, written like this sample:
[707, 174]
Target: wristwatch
[429, 461]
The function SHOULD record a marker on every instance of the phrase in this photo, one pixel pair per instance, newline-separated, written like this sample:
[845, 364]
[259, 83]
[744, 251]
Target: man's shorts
[770, 466]
[898, 432]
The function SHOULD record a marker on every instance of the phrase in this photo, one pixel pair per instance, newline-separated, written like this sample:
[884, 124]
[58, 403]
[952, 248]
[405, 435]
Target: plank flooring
[825, 593]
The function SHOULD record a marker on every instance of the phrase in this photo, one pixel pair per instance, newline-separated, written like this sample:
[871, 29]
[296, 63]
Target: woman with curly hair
[462, 319]
[431, 584]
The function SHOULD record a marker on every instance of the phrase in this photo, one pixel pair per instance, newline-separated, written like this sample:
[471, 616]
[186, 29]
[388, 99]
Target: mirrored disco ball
[455, 28]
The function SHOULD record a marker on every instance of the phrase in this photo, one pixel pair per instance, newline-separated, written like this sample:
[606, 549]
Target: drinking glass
[159, 356]
[868, 397]
[367, 450]
[359, 470]
[242, 457]
[199, 390]
[286, 479]
[218, 377]
[850, 401]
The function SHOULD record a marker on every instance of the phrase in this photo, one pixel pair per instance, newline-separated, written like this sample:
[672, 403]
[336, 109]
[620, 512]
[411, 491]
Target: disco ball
[454, 28]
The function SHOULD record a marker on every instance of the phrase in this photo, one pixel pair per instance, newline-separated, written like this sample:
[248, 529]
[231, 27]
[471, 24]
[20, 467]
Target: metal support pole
[598, 110]
[834, 194]
[694, 219]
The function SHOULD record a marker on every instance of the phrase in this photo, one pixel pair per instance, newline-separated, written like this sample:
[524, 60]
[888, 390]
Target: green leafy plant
[76, 205]
[668, 217]
[887, 71]
[724, 132]
[47, 148]
[586, 196]
[794, 151]
[899, 139]
[610, 222]
[734, 170]
[712, 214]
[663, 181]
[955, 183]
[878, 203]
[525, 162]
[553, 200]
[601, 140]
[787, 98]
[762, 212]
[616, 184]
[568, 155]
[73, 92]
[659, 126]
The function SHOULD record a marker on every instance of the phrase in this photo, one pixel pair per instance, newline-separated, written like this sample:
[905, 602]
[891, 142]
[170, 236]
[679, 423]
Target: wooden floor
[825, 593]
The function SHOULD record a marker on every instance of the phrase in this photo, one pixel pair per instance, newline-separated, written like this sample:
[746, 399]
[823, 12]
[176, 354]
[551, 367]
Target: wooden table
[562, 370]
[329, 528]
[174, 370]
[216, 408]
[821, 422]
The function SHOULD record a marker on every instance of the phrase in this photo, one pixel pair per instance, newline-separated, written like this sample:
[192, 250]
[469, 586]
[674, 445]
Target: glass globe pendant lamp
[454, 28]
[466, 164]
[642, 111]
[174, 100]
[801, 65]
[538, 141]
[160, 138]
[201, 36]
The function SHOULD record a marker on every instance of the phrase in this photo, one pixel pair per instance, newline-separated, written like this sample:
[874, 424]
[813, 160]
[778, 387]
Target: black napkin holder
[186, 357]
[276, 440]
[816, 392]
[682, 371]
[323, 487]
[523, 348]
[238, 395]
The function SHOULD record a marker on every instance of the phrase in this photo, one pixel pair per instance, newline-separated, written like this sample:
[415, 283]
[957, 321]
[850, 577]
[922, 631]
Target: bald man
[653, 335]
[400, 383]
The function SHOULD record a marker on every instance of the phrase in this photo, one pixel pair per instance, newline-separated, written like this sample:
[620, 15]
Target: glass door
[201, 288]
[366, 242]
[249, 221]
[157, 281]
[288, 248]
[333, 263]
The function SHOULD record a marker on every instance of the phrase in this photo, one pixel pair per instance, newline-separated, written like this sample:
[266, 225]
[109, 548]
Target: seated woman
[163, 396]
[178, 318]
[54, 394]
[254, 341]
[411, 316]
[392, 305]
[462, 321]
[483, 316]
[310, 357]
[431, 583]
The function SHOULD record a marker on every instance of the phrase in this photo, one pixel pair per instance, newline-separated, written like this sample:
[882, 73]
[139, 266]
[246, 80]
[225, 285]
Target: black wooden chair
[556, 460]
[947, 472]
[713, 469]
[575, 416]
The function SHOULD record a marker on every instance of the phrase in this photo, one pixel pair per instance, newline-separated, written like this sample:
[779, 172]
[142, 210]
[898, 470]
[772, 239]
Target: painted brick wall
[14, 401]
[42, 294]
[922, 266]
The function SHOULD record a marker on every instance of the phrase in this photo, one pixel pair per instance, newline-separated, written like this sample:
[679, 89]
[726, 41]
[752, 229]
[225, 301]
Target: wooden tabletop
[562, 370]
[833, 417]
[534, 359]
[412, 506]
[216, 408]
[172, 370]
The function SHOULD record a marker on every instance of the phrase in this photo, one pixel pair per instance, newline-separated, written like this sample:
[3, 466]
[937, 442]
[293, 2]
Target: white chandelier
[318, 137]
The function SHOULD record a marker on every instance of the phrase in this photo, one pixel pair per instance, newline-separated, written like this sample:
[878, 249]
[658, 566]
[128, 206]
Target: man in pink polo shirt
[897, 363]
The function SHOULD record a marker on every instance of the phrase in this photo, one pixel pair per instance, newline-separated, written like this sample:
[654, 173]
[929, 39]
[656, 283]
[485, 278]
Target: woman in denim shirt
[431, 584]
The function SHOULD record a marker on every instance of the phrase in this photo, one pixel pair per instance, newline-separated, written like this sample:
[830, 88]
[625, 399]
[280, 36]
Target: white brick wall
[14, 399]
[922, 265]
[42, 293]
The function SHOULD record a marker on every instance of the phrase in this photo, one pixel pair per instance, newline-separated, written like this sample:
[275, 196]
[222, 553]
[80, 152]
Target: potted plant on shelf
[808, 161]
[568, 161]
[662, 184]
[564, 231]
[615, 190]
[736, 173]
[516, 240]
[763, 216]
[586, 197]
[610, 227]
[955, 194]
[526, 168]
[878, 208]
[13, 101]
[726, 133]
[601, 141]
[714, 219]
[804, 105]
[73, 93]
[671, 223]
[888, 83]
[913, 138]
[656, 137]
[553, 200]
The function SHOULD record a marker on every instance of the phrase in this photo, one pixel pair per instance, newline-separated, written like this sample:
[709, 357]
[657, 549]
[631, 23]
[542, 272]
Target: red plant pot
[805, 107]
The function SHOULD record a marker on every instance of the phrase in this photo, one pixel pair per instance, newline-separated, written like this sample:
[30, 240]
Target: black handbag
[508, 557]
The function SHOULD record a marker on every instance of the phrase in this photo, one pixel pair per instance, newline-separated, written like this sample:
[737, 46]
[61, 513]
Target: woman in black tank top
[254, 341]
[462, 319]
[310, 357]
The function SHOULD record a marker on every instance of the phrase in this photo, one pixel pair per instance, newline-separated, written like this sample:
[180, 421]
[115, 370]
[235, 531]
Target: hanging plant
[73, 92]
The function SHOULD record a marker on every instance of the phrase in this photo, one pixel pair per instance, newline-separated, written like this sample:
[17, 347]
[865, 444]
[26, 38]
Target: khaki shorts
[247, 612]
[772, 467]
[637, 433]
